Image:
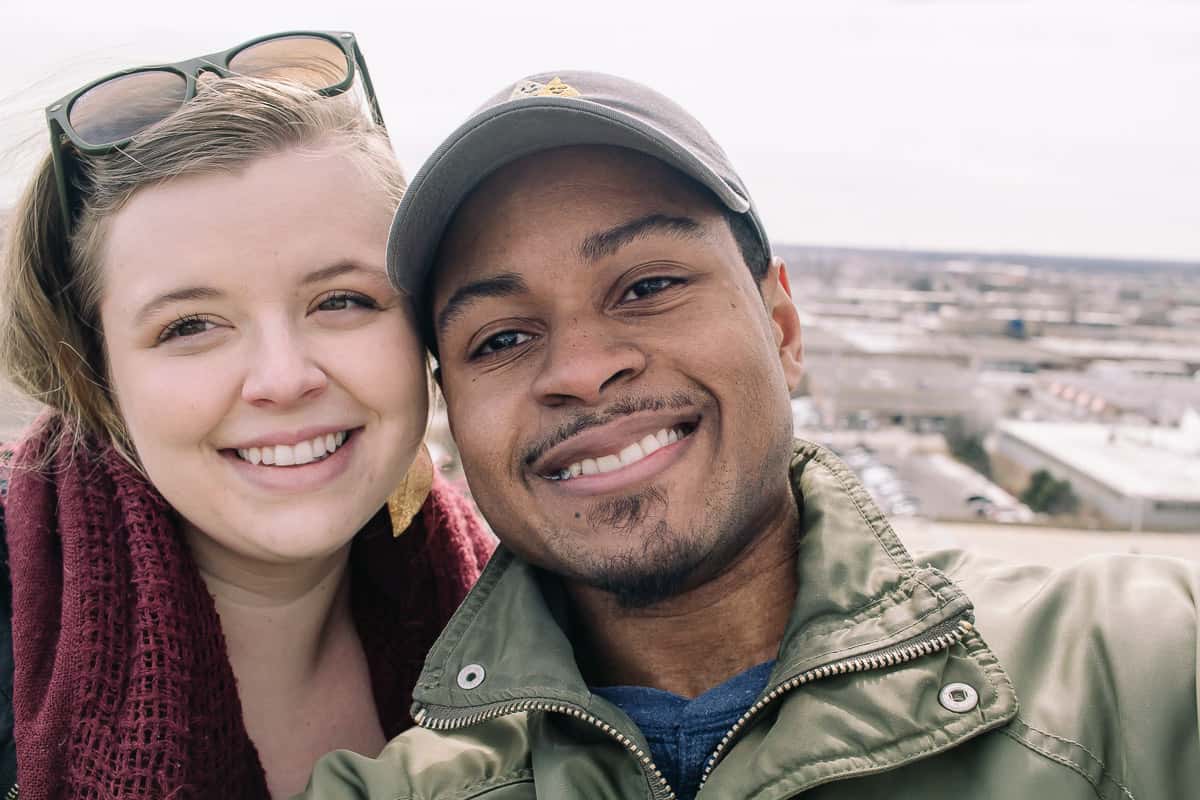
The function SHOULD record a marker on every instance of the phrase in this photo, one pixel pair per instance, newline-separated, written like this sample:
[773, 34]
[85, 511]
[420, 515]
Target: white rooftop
[1136, 461]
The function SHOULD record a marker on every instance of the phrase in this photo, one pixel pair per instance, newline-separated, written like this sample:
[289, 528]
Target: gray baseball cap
[541, 112]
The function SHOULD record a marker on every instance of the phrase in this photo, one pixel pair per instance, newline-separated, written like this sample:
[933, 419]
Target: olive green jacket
[942, 676]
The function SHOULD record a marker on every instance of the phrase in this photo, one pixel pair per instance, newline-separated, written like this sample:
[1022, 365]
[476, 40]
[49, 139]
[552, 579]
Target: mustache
[621, 407]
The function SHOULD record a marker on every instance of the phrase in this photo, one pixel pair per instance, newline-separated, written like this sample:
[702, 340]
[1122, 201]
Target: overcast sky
[1057, 126]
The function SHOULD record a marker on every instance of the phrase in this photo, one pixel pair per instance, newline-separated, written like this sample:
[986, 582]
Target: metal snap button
[958, 697]
[471, 676]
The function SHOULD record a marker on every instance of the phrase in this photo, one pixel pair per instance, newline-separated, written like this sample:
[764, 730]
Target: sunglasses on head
[106, 114]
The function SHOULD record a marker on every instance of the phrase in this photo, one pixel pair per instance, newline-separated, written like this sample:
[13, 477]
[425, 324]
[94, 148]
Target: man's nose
[583, 363]
[281, 369]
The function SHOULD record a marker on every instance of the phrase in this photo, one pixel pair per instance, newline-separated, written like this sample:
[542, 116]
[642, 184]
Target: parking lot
[911, 475]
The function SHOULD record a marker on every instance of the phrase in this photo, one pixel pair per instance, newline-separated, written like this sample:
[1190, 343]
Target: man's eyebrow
[178, 295]
[505, 284]
[605, 243]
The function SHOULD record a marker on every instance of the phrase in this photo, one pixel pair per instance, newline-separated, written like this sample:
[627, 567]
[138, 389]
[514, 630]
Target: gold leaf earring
[406, 501]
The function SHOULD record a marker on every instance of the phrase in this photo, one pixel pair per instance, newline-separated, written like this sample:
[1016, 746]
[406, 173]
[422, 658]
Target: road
[1052, 546]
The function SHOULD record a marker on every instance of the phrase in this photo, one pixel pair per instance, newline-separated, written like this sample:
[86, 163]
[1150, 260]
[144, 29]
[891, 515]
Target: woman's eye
[502, 341]
[186, 326]
[648, 286]
[341, 301]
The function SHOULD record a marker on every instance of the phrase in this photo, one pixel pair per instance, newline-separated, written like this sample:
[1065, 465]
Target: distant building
[1136, 477]
[862, 391]
[1089, 350]
[1145, 393]
[898, 341]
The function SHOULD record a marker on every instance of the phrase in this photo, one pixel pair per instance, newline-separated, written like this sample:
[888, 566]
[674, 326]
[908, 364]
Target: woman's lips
[285, 455]
[297, 478]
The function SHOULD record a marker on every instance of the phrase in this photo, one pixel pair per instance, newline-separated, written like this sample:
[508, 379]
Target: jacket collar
[859, 589]
[860, 593]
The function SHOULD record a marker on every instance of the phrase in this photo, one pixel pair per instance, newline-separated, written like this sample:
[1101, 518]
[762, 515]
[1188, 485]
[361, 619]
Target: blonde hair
[51, 342]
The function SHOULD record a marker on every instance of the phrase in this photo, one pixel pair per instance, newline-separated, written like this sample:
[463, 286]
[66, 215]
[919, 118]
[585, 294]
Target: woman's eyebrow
[188, 293]
[337, 270]
[175, 296]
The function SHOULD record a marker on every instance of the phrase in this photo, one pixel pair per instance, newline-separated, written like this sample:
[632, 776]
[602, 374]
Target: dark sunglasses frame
[58, 114]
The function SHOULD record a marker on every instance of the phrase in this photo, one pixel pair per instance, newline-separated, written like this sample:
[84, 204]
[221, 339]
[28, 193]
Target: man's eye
[648, 286]
[502, 341]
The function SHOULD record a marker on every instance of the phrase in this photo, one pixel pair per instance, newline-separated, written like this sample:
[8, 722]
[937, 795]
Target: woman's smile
[293, 451]
[310, 463]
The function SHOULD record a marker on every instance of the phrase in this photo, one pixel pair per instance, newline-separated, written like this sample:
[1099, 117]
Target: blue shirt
[684, 733]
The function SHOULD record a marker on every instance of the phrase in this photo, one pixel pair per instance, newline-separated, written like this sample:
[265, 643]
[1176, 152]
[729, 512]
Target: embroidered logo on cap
[555, 88]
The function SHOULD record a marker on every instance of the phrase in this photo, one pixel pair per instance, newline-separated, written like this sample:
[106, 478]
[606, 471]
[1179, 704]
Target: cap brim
[504, 134]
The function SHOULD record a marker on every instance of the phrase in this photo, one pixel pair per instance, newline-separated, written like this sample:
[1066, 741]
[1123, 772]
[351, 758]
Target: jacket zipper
[659, 788]
[12, 792]
[943, 637]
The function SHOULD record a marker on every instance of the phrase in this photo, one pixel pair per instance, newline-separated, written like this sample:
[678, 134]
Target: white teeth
[303, 452]
[608, 464]
[284, 455]
[630, 454]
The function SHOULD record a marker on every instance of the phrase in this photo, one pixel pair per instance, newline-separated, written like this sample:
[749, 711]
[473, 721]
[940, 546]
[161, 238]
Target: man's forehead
[577, 248]
[578, 175]
[565, 195]
[461, 286]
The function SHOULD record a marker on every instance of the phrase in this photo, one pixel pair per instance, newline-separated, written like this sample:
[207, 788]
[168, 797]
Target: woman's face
[269, 376]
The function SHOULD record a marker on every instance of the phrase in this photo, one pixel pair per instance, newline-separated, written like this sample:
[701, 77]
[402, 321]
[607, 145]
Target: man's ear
[785, 321]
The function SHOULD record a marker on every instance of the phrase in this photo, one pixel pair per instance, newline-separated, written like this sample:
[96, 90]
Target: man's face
[616, 382]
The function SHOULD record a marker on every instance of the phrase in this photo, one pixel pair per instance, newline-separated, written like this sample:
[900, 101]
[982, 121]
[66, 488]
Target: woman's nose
[282, 370]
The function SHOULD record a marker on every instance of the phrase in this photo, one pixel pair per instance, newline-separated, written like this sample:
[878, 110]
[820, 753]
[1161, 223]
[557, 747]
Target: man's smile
[616, 455]
[631, 454]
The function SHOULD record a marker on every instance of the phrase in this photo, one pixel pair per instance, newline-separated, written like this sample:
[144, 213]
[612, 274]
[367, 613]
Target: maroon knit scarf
[122, 686]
